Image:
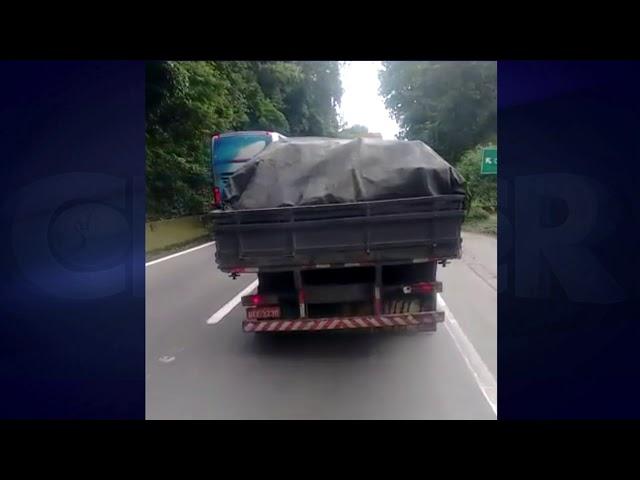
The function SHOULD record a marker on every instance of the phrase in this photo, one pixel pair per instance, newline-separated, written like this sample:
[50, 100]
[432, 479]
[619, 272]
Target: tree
[451, 106]
[481, 189]
[188, 101]
[311, 105]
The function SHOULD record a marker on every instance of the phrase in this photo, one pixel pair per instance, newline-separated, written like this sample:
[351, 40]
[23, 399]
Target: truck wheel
[414, 306]
[410, 305]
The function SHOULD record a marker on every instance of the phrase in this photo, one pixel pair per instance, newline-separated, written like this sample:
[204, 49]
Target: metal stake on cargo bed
[377, 305]
[297, 279]
[367, 229]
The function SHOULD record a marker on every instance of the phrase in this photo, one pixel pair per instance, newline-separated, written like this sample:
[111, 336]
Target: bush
[188, 101]
[476, 213]
[482, 190]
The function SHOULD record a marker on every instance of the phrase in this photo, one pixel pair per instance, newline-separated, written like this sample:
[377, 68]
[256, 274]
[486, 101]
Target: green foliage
[451, 106]
[486, 223]
[481, 189]
[311, 105]
[476, 213]
[188, 101]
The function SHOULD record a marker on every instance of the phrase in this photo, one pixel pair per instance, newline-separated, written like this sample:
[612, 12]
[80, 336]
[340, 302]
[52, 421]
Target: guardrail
[174, 232]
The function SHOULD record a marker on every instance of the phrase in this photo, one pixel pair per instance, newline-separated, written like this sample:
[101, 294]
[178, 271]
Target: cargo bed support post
[377, 301]
[297, 279]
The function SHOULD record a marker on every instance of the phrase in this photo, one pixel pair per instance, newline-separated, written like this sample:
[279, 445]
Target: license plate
[263, 312]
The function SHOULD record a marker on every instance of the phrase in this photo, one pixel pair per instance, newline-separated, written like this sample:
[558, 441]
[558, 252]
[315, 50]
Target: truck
[360, 255]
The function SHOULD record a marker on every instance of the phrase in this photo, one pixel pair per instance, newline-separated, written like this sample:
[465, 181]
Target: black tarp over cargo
[317, 171]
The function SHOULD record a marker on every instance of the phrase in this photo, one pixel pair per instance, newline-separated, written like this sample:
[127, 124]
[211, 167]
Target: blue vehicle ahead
[229, 151]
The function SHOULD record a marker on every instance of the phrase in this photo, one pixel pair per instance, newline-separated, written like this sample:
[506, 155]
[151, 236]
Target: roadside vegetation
[482, 194]
[188, 101]
[451, 106]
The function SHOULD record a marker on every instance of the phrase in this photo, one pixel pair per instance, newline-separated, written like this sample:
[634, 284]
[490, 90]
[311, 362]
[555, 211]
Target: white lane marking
[479, 369]
[168, 257]
[230, 305]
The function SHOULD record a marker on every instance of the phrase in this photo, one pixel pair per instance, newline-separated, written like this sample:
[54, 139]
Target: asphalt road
[197, 370]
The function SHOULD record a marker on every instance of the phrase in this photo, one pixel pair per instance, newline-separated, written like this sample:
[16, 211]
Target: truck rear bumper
[423, 321]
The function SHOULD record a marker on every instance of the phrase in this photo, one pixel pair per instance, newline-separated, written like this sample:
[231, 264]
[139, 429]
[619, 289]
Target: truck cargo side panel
[372, 232]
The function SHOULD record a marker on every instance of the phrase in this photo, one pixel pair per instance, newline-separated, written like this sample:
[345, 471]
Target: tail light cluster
[217, 197]
[259, 300]
[422, 288]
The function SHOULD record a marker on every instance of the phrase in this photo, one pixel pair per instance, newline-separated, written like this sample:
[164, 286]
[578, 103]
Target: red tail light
[422, 287]
[259, 300]
[256, 300]
[217, 197]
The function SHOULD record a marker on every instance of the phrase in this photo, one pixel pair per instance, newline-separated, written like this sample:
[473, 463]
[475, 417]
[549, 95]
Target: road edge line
[173, 255]
[230, 305]
[485, 380]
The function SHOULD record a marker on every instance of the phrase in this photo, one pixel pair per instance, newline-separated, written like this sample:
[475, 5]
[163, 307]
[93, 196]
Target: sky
[361, 102]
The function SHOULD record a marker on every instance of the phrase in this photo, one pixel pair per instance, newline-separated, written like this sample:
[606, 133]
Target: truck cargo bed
[398, 230]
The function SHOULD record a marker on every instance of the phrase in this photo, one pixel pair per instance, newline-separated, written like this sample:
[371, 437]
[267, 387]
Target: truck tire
[408, 305]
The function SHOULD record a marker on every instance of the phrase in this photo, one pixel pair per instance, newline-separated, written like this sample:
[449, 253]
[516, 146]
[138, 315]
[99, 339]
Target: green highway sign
[489, 161]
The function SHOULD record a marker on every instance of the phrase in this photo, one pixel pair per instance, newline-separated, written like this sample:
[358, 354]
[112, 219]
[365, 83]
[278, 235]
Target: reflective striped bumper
[424, 321]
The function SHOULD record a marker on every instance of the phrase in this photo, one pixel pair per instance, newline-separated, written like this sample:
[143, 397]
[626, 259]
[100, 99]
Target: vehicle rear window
[226, 149]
